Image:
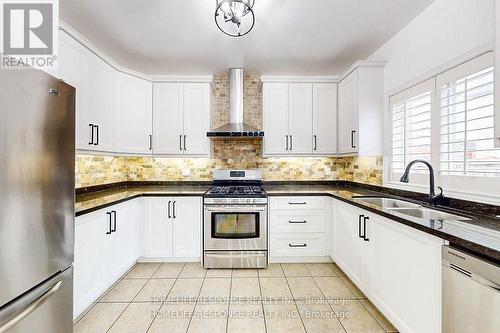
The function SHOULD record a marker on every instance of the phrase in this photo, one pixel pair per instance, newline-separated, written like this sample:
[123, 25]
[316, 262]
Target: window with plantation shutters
[411, 133]
[467, 126]
[449, 120]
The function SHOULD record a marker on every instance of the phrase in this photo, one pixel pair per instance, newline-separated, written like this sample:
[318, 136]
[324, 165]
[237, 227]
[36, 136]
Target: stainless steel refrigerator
[37, 175]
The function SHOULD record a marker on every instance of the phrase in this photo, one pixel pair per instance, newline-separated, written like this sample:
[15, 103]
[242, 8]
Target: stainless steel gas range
[235, 221]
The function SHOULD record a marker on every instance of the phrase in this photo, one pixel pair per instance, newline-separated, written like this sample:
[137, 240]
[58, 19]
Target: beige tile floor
[184, 297]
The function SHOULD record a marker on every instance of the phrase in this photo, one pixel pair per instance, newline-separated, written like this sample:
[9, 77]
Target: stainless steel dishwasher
[471, 293]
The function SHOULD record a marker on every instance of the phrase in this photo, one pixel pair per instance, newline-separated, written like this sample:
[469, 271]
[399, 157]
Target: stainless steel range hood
[236, 126]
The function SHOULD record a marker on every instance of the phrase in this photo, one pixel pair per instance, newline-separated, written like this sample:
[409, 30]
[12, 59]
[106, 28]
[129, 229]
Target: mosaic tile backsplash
[236, 154]
[98, 170]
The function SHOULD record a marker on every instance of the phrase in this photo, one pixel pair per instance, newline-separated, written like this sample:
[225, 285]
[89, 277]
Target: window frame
[477, 188]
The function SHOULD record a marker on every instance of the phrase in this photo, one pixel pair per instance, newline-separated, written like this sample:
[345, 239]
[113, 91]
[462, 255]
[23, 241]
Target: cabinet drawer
[297, 245]
[299, 203]
[297, 221]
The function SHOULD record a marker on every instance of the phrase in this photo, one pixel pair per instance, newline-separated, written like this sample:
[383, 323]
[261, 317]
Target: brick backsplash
[237, 154]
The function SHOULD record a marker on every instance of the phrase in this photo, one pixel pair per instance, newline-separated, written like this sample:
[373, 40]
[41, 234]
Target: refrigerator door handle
[30, 308]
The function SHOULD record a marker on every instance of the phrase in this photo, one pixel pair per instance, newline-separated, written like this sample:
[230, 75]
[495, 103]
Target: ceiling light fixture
[235, 18]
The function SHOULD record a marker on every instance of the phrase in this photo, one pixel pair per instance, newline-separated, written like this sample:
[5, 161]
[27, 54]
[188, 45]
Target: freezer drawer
[47, 308]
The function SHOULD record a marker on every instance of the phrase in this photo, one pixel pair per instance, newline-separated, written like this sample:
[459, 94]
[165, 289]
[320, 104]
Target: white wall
[442, 33]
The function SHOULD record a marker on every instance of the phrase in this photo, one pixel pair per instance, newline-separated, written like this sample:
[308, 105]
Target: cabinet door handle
[180, 142]
[297, 203]
[360, 218]
[96, 135]
[286, 142]
[185, 142]
[352, 139]
[169, 215]
[173, 209]
[150, 142]
[291, 143]
[297, 245]
[114, 220]
[366, 239]
[91, 136]
[109, 220]
[315, 142]
[297, 222]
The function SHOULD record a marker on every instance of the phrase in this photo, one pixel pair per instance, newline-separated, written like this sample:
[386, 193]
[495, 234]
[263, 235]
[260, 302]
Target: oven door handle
[236, 209]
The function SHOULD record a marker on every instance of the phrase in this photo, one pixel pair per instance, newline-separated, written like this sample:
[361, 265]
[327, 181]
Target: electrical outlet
[186, 172]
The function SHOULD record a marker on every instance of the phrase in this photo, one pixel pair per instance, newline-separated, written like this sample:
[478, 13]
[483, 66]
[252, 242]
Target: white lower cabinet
[106, 244]
[397, 267]
[172, 227]
[404, 275]
[349, 248]
[90, 273]
[298, 228]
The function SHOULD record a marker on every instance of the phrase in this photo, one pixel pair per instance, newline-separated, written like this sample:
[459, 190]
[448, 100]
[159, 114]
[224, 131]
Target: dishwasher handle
[480, 270]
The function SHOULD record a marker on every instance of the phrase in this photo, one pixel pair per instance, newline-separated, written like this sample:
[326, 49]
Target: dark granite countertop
[86, 203]
[480, 235]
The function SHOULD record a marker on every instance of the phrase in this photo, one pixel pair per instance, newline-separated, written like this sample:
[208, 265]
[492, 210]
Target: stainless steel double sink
[408, 208]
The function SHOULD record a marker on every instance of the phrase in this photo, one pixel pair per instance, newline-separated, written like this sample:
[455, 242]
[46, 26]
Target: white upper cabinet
[94, 83]
[95, 94]
[196, 119]
[324, 118]
[360, 106]
[275, 107]
[100, 95]
[133, 119]
[181, 118]
[168, 118]
[300, 118]
[348, 115]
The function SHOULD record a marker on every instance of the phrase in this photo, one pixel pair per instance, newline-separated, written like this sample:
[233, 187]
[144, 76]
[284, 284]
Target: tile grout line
[261, 301]
[125, 309]
[383, 329]
[353, 293]
[196, 302]
[326, 300]
[293, 299]
[166, 297]
[229, 300]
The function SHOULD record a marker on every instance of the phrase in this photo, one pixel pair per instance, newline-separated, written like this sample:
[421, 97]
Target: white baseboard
[192, 259]
[287, 260]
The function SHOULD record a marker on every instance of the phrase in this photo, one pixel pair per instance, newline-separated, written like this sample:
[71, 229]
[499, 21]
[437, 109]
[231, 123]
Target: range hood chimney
[236, 126]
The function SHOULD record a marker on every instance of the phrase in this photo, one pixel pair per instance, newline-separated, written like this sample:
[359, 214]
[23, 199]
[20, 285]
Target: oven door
[235, 227]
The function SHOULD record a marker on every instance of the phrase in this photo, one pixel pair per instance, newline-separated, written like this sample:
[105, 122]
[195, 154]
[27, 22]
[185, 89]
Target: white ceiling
[315, 37]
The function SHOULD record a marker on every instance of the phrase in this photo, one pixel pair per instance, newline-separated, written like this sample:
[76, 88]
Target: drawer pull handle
[297, 245]
[297, 222]
[297, 203]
